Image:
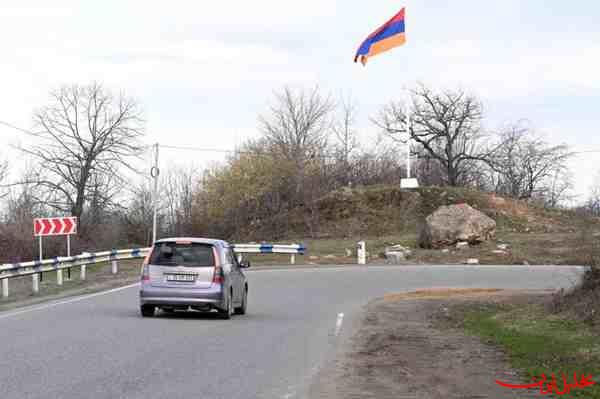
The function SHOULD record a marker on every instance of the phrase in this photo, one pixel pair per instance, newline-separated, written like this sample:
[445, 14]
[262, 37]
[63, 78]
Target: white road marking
[338, 323]
[73, 300]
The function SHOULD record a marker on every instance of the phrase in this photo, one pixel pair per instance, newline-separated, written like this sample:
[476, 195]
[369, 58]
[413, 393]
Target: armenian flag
[389, 35]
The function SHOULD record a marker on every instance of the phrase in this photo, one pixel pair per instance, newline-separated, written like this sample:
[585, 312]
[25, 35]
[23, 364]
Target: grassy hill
[385, 215]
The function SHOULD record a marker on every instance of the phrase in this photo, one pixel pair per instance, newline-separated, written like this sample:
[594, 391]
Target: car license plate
[181, 277]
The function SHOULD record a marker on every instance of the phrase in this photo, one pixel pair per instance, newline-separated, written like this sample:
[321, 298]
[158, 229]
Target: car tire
[147, 310]
[242, 309]
[228, 311]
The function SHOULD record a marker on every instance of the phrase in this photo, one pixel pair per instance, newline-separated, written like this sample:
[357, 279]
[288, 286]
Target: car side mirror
[245, 264]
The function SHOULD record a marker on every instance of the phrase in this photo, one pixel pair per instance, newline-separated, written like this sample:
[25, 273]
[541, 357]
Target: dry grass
[440, 293]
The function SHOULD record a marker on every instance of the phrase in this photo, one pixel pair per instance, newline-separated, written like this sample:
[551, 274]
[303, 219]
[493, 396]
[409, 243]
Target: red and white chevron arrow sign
[54, 226]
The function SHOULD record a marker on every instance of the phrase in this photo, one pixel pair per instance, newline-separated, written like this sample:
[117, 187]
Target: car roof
[197, 240]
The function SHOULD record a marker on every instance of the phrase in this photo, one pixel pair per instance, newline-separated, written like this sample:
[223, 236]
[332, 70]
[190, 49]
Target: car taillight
[218, 273]
[146, 268]
[218, 276]
[145, 273]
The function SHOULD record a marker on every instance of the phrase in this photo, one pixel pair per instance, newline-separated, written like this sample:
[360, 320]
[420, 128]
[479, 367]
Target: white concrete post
[5, 288]
[293, 259]
[82, 273]
[239, 258]
[59, 277]
[115, 267]
[35, 279]
[361, 252]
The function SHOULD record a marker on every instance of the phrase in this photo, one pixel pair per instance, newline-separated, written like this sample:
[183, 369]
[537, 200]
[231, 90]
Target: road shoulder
[400, 350]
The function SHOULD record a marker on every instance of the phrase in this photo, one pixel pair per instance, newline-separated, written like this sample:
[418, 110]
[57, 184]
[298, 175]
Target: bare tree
[179, 187]
[526, 166]
[445, 125]
[346, 135]
[592, 205]
[298, 123]
[138, 217]
[3, 174]
[559, 188]
[87, 136]
[297, 128]
[15, 230]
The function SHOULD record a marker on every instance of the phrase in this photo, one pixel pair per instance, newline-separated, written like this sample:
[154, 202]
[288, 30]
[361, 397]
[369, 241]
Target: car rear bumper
[181, 297]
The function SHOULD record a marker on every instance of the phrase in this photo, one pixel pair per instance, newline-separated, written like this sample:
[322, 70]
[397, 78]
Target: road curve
[99, 347]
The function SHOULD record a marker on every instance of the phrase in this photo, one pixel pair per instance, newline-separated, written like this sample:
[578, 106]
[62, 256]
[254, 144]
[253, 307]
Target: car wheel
[228, 312]
[242, 309]
[147, 310]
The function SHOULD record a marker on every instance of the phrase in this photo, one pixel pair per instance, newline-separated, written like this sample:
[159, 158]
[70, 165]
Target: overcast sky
[203, 71]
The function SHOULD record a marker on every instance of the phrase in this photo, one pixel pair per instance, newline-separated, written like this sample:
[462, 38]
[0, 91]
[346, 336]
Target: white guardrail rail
[58, 264]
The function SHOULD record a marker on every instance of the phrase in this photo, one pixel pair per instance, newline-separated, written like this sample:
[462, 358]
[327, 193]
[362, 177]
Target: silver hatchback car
[193, 273]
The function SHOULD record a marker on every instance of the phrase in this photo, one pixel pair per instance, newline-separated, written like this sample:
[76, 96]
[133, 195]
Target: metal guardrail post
[115, 267]
[82, 272]
[59, 277]
[35, 283]
[5, 288]
[292, 259]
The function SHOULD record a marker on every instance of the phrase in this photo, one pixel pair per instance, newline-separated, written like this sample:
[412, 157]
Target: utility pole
[154, 172]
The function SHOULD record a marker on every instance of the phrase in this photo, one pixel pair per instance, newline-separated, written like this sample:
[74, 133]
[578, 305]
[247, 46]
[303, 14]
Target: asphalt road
[99, 346]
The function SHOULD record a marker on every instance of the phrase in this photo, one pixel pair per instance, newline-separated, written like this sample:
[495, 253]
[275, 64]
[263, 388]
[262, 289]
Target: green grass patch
[539, 342]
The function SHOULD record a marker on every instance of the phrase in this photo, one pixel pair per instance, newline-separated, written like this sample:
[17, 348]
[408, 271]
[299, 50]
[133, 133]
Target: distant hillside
[385, 215]
[381, 210]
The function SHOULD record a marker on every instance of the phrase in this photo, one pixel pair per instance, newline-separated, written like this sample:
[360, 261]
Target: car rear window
[182, 254]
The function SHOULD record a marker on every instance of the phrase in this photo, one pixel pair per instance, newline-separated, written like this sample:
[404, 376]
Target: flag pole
[408, 138]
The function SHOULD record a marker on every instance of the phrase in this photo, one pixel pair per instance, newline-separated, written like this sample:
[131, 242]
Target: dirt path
[398, 353]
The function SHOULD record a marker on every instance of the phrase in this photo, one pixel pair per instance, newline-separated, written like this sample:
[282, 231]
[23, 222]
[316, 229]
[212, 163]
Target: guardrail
[293, 249]
[58, 264]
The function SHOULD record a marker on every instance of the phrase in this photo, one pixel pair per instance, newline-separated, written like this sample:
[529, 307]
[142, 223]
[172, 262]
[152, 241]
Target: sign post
[54, 227]
[68, 254]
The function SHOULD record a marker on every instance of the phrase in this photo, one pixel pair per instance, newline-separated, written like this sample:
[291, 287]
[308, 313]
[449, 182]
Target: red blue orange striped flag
[389, 35]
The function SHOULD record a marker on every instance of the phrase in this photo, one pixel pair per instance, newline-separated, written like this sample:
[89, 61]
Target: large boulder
[456, 223]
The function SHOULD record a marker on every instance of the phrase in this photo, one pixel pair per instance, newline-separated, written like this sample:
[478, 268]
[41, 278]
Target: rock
[525, 263]
[396, 254]
[394, 258]
[451, 224]
[313, 257]
[330, 256]
[472, 261]
[502, 247]
[348, 253]
[499, 252]
[445, 250]
[462, 245]
[399, 248]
